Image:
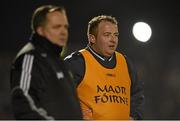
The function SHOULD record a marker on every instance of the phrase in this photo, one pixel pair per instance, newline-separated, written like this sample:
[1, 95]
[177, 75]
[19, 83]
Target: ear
[40, 31]
[91, 38]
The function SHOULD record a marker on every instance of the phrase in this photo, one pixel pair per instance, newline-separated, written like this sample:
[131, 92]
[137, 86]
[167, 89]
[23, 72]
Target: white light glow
[142, 31]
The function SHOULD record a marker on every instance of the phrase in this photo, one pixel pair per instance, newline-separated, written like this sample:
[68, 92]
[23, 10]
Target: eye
[57, 26]
[107, 34]
[66, 26]
[116, 34]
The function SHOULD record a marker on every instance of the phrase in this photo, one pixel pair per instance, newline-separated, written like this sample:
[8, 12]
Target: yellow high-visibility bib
[105, 93]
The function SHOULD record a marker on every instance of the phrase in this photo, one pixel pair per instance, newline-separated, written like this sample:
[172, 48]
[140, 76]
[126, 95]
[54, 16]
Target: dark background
[157, 61]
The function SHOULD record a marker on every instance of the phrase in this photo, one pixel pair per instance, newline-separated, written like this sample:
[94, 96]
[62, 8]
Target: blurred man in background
[41, 86]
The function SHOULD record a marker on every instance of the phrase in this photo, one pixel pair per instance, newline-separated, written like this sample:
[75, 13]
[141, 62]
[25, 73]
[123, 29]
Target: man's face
[106, 41]
[55, 28]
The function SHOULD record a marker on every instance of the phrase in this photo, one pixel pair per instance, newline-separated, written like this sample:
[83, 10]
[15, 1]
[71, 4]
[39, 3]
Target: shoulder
[26, 54]
[75, 57]
[127, 59]
[129, 62]
[75, 62]
[125, 56]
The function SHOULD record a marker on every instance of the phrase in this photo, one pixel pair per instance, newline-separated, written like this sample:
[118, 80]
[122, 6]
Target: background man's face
[55, 28]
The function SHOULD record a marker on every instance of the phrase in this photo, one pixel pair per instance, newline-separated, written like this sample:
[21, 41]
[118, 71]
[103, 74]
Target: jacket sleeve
[137, 93]
[25, 97]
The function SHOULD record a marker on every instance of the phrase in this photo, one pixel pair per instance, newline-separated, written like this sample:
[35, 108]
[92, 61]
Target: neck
[99, 55]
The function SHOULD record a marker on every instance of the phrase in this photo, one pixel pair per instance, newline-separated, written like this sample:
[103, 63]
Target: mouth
[63, 39]
[112, 46]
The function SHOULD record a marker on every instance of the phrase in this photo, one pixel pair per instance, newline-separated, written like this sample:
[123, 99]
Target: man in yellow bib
[107, 84]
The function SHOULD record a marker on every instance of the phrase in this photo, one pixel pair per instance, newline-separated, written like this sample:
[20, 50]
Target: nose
[63, 31]
[114, 38]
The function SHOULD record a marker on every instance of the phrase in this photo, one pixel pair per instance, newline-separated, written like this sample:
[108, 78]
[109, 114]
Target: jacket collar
[45, 44]
[101, 57]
